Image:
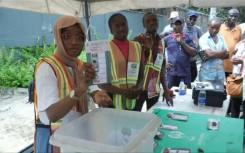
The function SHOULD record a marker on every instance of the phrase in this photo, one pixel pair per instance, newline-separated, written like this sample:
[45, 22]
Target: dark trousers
[175, 80]
[149, 101]
[193, 69]
[235, 107]
[229, 108]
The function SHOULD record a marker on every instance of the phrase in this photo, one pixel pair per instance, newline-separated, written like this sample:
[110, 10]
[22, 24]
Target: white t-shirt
[240, 47]
[47, 90]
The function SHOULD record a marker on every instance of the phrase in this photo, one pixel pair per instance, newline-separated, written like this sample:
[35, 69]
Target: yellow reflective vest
[119, 72]
[154, 70]
[64, 82]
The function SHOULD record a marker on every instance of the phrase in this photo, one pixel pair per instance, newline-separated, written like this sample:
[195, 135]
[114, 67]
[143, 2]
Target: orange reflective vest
[65, 85]
[119, 72]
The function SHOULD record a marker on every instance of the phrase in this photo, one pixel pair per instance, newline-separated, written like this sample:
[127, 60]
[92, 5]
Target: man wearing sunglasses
[196, 32]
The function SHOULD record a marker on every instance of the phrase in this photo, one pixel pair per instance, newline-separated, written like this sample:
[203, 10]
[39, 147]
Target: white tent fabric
[217, 3]
[76, 7]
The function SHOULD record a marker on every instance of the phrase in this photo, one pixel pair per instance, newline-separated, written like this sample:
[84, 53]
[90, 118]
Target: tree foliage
[17, 64]
[222, 12]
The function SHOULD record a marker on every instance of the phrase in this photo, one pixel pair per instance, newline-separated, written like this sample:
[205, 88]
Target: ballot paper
[98, 53]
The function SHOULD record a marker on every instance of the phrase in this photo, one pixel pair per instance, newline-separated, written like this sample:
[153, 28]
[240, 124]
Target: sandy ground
[16, 122]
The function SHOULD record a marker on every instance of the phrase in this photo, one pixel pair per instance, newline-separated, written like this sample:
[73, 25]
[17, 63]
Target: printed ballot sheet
[98, 53]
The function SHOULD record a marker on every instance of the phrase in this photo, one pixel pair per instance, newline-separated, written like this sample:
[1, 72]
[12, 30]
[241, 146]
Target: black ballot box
[214, 97]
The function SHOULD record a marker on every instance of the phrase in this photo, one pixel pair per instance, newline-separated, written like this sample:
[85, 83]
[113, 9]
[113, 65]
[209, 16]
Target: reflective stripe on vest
[64, 82]
[151, 68]
[119, 72]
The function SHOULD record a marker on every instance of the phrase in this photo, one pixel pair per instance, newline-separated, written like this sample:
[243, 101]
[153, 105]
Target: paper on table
[204, 85]
[98, 53]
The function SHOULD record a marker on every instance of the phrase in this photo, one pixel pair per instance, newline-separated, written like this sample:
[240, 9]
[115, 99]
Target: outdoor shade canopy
[85, 8]
[78, 7]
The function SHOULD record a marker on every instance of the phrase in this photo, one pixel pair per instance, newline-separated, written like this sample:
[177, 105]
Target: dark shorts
[144, 98]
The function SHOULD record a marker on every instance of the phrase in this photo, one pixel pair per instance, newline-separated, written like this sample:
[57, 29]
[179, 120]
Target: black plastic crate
[214, 97]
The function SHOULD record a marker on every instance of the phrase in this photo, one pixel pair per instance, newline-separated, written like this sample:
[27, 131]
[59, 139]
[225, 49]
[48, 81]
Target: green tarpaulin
[194, 133]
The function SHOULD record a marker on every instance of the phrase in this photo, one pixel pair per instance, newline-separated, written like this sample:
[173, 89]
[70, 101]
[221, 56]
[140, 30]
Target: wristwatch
[73, 96]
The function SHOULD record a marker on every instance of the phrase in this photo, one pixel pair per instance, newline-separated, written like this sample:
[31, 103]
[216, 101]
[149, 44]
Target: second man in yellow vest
[155, 71]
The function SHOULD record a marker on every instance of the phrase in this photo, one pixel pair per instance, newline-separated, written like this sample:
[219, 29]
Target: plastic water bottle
[182, 87]
[202, 98]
